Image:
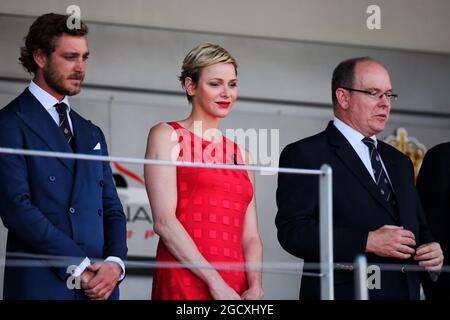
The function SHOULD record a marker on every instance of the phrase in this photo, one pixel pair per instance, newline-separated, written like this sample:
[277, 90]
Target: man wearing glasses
[376, 210]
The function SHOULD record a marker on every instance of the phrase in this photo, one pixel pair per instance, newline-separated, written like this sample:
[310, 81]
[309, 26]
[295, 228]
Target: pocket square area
[97, 146]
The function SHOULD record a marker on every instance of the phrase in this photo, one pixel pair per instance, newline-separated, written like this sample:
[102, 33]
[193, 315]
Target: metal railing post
[326, 233]
[361, 290]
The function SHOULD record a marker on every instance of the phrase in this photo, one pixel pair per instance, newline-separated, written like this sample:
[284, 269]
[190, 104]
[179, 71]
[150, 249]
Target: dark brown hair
[42, 36]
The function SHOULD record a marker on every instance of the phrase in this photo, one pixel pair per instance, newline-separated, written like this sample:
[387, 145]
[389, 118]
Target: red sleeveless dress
[211, 207]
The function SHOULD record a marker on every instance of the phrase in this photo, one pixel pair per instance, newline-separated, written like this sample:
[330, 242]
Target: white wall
[150, 58]
[405, 24]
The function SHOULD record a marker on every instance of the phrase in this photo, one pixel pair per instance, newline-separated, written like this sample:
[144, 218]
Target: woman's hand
[253, 293]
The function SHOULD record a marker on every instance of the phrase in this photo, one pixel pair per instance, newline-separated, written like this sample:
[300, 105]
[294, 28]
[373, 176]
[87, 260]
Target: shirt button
[101, 183]
[403, 269]
[51, 178]
[100, 212]
[72, 210]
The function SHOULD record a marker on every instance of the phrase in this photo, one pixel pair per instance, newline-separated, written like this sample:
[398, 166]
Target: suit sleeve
[114, 217]
[20, 216]
[297, 218]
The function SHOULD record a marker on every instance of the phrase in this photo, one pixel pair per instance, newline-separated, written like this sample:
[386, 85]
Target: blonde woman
[204, 217]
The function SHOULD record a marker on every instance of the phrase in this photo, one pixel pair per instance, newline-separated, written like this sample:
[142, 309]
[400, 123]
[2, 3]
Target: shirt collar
[353, 136]
[45, 98]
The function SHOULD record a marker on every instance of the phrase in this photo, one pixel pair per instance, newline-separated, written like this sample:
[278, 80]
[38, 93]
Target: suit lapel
[82, 133]
[351, 160]
[83, 136]
[38, 120]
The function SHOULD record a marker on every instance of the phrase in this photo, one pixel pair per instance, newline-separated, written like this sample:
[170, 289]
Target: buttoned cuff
[119, 262]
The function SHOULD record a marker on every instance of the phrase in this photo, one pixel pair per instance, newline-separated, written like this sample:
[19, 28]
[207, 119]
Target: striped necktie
[61, 108]
[380, 175]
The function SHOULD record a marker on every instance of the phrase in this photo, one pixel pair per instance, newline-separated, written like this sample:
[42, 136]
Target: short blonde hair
[203, 55]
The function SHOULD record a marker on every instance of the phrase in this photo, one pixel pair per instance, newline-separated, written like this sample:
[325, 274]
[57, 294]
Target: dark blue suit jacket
[357, 209]
[53, 206]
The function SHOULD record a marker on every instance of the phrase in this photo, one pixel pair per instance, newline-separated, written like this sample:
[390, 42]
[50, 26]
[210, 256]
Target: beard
[56, 81]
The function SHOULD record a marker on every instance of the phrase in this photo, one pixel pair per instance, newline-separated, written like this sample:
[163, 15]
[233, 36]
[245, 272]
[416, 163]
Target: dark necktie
[380, 175]
[61, 108]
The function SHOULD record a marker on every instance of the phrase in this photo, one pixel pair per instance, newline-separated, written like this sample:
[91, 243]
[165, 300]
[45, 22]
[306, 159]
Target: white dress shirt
[355, 137]
[48, 101]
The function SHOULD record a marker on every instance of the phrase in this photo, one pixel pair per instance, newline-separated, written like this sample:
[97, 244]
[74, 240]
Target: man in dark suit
[376, 210]
[433, 184]
[66, 225]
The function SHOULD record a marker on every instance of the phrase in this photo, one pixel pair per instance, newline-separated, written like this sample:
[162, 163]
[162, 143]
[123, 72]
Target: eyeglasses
[375, 94]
